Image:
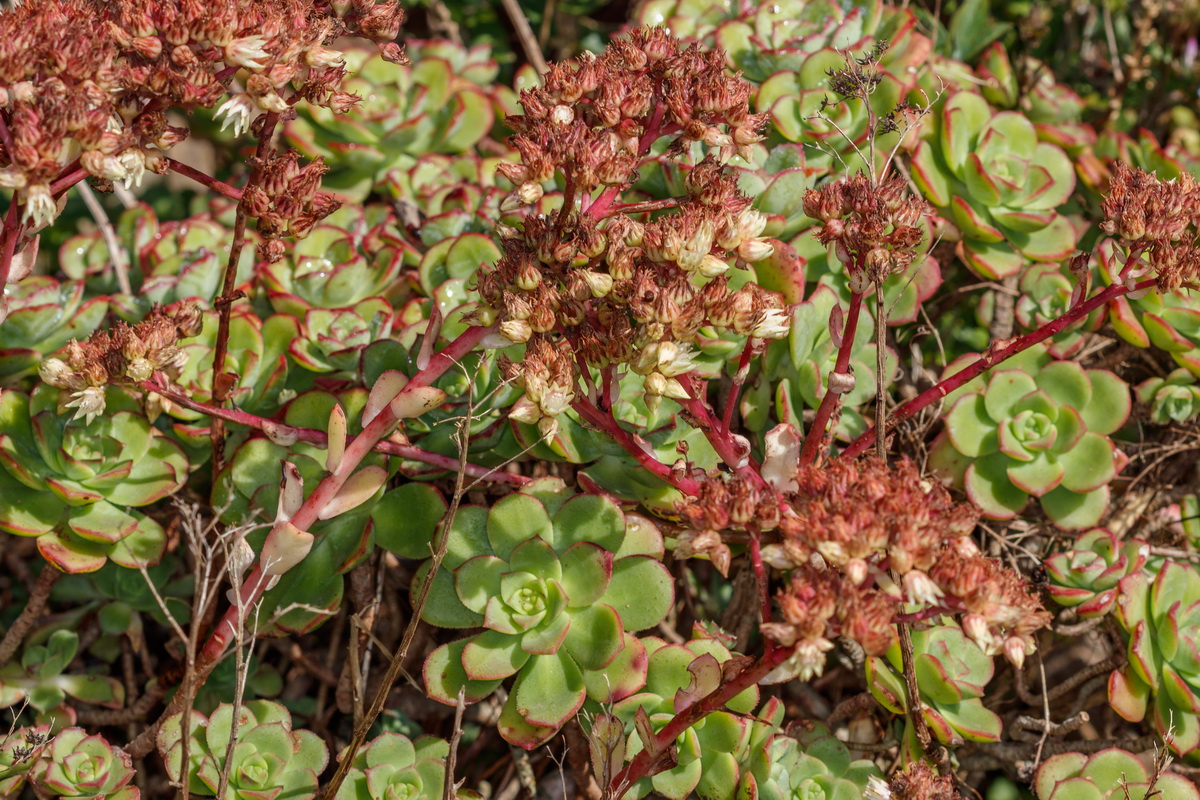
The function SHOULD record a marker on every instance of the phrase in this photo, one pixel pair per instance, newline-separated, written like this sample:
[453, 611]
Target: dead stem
[30, 614]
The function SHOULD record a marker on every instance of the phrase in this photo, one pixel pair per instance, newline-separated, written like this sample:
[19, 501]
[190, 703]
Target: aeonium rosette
[557, 582]
[71, 482]
[1035, 427]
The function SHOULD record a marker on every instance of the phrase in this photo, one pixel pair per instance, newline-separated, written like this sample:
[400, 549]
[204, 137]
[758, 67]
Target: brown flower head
[596, 277]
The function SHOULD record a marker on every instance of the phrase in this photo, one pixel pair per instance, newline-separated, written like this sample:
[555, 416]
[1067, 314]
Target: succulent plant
[70, 483]
[20, 749]
[356, 253]
[765, 39]
[1160, 615]
[392, 767]
[1002, 187]
[438, 104]
[331, 339]
[813, 763]
[1111, 773]
[121, 599]
[1035, 427]
[1085, 577]
[43, 315]
[712, 753]
[1170, 322]
[556, 582]
[800, 104]
[1175, 398]
[269, 759]
[168, 261]
[952, 672]
[78, 765]
[39, 677]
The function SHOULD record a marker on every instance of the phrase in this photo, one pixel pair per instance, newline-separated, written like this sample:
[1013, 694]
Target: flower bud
[975, 626]
[55, 372]
[655, 384]
[526, 411]
[1014, 651]
[753, 250]
[562, 115]
[773, 324]
[548, 427]
[516, 331]
[247, 52]
[919, 588]
[711, 266]
[856, 571]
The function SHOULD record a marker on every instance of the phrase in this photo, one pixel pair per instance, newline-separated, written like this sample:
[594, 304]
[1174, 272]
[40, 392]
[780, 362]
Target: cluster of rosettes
[848, 533]
[873, 226]
[286, 202]
[124, 354]
[1157, 219]
[594, 117]
[592, 279]
[97, 77]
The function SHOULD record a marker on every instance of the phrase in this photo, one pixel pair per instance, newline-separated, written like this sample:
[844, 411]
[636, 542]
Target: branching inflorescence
[591, 288]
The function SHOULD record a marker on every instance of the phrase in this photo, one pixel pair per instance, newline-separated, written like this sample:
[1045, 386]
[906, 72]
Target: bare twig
[115, 251]
[525, 34]
[30, 614]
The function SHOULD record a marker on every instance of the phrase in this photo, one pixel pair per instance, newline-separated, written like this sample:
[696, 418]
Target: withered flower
[609, 287]
[125, 354]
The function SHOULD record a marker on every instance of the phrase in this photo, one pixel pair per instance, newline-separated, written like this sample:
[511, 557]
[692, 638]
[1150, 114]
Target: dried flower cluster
[873, 226]
[286, 202]
[846, 533]
[589, 285]
[95, 78]
[1159, 219]
[920, 781]
[124, 354]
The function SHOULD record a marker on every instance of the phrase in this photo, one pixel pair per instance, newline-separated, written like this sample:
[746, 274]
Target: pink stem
[816, 434]
[6, 138]
[383, 423]
[739, 380]
[991, 358]
[320, 438]
[71, 176]
[8, 242]
[609, 424]
[643, 764]
[218, 186]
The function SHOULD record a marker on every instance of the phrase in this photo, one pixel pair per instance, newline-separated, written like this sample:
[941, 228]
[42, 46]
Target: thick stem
[30, 614]
[6, 138]
[816, 433]
[8, 242]
[991, 358]
[381, 426]
[734, 453]
[643, 763]
[223, 383]
[648, 205]
[607, 423]
[320, 438]
[71, 175]
[204, 179]
[739, 380]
